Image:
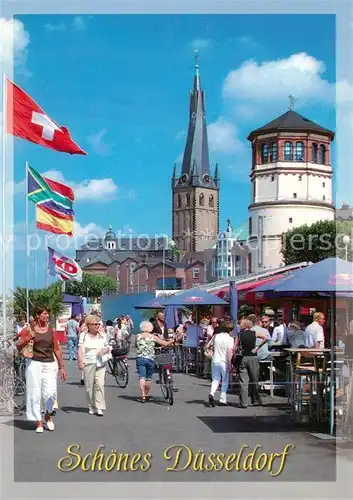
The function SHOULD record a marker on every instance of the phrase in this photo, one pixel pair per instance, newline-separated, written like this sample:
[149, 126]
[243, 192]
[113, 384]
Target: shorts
[145, 368]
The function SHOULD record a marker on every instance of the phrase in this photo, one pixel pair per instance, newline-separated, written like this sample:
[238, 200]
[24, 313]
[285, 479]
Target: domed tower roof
[291, 121]
[110, 235]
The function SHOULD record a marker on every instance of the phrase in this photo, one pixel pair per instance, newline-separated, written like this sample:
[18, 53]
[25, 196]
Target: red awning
[247, 287]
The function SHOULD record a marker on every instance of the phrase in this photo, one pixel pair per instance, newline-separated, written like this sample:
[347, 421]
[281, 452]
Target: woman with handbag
[39, 344]
[93, 355]
[221, 348]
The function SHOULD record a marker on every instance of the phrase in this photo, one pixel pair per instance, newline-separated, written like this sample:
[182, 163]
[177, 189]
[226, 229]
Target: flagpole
[27, 248]
[163, 265]
[3, 228]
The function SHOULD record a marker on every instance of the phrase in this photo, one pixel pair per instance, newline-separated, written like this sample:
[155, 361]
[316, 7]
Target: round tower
[291, 181]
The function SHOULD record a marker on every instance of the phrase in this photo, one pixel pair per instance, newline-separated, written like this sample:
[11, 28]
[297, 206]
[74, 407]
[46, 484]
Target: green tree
[91, 286]
[50, 297]
[316, 242]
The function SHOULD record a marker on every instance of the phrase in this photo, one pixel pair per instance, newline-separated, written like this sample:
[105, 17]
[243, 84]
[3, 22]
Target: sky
[121, 84]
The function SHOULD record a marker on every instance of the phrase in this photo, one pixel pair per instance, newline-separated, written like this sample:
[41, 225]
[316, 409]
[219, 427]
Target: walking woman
[145, 359]
[42, 368]
[222, 345]
[93, 347]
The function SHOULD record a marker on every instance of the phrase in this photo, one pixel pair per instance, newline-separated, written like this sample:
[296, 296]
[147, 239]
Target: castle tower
[195, 192]
[291, 178]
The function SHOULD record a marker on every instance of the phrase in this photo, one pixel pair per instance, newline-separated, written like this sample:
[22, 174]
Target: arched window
[314, 153]
[201, 200]
[211, 201]
[322, 154]
[264, 153]
[187, 199]
[179, 201]
[299, 151]
[288, 150]
[273, 156]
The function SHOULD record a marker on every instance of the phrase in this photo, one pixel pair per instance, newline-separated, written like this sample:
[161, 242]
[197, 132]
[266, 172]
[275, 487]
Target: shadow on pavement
[253, 424]
[74, 409]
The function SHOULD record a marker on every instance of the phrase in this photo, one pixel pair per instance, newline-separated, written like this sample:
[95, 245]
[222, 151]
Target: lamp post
[346, 241]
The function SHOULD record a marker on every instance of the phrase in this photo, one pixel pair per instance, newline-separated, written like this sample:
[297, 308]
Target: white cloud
[97, 143]
[14, 41]
[200, 43]
[180, 135]
[263, 83]
[89, 230]
[55, 27]
[223, 137]
[78, 23]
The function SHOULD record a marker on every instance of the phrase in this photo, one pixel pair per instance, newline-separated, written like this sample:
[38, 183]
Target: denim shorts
[145, 368]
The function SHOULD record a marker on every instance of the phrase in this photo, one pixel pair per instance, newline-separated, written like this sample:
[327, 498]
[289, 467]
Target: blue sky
[121, 85]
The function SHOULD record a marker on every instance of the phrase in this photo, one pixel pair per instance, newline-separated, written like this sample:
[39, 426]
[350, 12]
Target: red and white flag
[25, 119]
[63, 266]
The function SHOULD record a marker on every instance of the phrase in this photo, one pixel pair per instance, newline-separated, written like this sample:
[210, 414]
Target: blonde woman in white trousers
[92, 345]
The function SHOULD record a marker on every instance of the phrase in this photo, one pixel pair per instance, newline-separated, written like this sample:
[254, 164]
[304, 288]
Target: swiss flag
[25, 119]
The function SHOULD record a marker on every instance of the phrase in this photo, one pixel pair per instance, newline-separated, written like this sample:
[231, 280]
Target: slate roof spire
[196, 163]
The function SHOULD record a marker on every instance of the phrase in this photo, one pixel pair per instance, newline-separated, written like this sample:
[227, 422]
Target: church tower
[195, 191]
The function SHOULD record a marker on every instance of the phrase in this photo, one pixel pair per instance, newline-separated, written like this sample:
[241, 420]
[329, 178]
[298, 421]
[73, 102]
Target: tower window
[288, 150]
[299, 178]
[201, 200]
[196, 273]
[294, 195]
[314, 153]
[290, 220]
[322, 156]
[179, 201]
[324, 184]
[274, 151]
[187, 199]
[299, 151]
[264, 153]
[324, 197]
[211, 201]
[250, 225]
[272, 178]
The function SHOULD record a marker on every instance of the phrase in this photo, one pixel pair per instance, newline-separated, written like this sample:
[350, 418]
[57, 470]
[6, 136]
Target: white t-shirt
[315, 333]
[280, 334]
[91, 345]
[221, 343]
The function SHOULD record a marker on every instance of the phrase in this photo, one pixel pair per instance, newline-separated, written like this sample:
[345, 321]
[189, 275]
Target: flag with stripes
[63, 266]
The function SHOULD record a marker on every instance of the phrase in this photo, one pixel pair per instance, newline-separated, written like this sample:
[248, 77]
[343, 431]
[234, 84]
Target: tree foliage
[91, 286]
[50, 297]
[316, 242]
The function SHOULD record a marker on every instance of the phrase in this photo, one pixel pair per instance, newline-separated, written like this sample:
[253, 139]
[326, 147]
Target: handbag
[208, 351]
[27, 350]
[238, 356]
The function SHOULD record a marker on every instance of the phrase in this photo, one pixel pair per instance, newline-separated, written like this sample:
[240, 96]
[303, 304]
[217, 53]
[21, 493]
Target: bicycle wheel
[169, 389]
[121, 373]
[110, 366]
[19, 395]
[164, 384]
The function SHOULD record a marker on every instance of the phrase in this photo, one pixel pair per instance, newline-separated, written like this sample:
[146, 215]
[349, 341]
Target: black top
[247, 339]
[157, 330]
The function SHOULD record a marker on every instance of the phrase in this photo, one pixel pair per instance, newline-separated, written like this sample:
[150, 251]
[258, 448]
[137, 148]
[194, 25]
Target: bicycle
[164, 362]
[12, 385]
[118, 366]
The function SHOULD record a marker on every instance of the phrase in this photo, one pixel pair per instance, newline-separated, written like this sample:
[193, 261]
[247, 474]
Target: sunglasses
[94, 324]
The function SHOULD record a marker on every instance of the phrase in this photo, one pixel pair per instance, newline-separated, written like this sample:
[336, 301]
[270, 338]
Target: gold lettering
[66, 464]
[284, 455]
[263, 465]
[251, 457]
[98, 455]
[239, 456]
[147, 462]
[84, 465]
[229, 462]
[179, 451]
[198, 463]
[210, 459]
[110, 462]
[219, 459]
[123, 457]
[272, 457]
[135, 459]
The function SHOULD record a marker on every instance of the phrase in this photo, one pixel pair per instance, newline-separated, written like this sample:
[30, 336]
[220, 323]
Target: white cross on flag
[25, 119]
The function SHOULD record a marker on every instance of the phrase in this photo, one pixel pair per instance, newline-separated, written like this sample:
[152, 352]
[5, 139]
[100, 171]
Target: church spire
[196, 163]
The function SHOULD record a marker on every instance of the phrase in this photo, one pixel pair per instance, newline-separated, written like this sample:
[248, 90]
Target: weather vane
[292, 101]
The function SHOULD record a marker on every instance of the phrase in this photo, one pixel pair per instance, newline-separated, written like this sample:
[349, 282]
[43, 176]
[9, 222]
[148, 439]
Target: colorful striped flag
[66, 268]
[54, 203]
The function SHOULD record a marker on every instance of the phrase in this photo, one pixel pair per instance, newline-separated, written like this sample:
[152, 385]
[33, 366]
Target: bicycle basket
[120, 351]
[164, 359]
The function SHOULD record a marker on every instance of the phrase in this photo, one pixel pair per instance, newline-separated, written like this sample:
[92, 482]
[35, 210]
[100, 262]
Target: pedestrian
[222, 347]
[145, 357]
[71, 332]
[41, 368]
[314, 333]
[247, 362]
[93, 351]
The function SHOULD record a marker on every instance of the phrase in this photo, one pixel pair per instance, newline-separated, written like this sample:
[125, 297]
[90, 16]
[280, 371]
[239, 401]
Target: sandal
[142, 399]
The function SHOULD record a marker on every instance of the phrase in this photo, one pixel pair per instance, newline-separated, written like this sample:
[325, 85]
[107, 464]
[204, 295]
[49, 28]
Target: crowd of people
[228, 348]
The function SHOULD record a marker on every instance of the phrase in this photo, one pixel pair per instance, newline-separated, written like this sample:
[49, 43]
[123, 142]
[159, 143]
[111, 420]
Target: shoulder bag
[238, 356]
[209, 349]
[27, 350]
